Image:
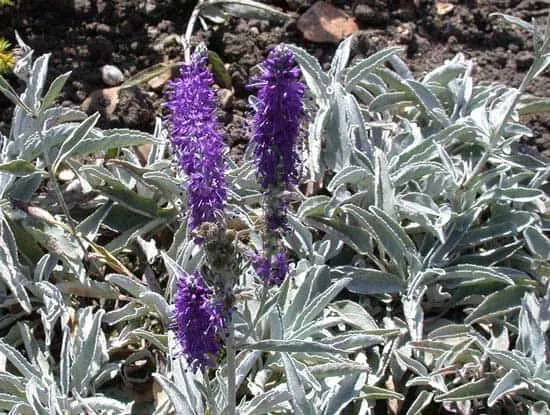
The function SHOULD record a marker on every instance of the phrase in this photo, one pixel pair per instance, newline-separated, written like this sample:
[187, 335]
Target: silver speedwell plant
[415, 279]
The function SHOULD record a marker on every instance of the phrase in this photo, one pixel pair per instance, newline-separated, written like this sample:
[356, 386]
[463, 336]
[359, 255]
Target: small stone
[324, 23]
[442, 8]
[103, 100]
[226, 98]
[111, 75]
[66, 175]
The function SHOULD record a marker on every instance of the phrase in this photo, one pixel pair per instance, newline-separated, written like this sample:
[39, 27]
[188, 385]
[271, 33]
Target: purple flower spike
[272, 270]
[197, 140]
[279, 111]
[198, 322]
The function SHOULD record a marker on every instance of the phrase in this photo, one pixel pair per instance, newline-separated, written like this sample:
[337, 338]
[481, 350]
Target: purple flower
[279, 111]
[272, 270]
[197, 140]
[197, 321]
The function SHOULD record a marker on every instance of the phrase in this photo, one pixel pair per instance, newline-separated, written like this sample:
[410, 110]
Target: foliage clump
[418, 277]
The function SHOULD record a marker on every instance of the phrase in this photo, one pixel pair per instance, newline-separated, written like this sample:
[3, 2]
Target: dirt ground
[84, 35]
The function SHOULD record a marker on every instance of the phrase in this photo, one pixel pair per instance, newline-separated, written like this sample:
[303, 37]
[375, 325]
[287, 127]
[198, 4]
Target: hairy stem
[231, 369]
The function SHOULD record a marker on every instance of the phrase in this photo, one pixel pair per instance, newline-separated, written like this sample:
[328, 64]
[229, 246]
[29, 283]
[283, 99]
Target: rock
[225, 97]
[324, 23]
[111, 75]
[442, 8]
[104, 101]
[128, 107]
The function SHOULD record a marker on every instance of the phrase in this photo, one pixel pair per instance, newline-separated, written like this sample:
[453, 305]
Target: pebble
[111, 75]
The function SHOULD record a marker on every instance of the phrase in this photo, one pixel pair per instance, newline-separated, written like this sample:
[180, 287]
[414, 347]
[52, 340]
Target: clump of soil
[84, 35]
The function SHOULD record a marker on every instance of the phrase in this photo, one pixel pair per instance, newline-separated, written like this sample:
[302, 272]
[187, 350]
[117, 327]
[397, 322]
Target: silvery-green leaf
[533, 323]
[99, 141]
[410, 363]
[510, 382]
[538, 243]
[338, 146]
[341, 394]
[97, 403]
[512, 194]
[250, 9]
[352, 340]
[8, 401]
[90, 226]
[429, 102]
[291, 346]
[158, 304]
[316, 80]
[534, 106]
[375, 392]
[130, 311]
[470, 273]
[498, 303]
[539, 408]
[351, 175]
[529, 27]
[492, 256]
[423, 399]
[167, 184]
[18, 168]
[319, 303]
[511, 360]
[265, 403]
[499, 227]
[19, 362]
[10, 267]
[296, 388]
[473, 390]
[416, 171]
[355, 74]
[340, 59]
[37, 81]
[313, 206]
[134, 287]
[391, 100]
[354, 314]
[90, 350]
[53, 91]
[158, 340]
[65, 363]
[299, 238]
[313, 279]
[445, 73]
[10, 93]
[368, 280]
[11, 384]
[73, 140]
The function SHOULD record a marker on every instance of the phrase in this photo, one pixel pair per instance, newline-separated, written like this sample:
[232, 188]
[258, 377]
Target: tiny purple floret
[272, 270]
[197, 139]
[278, 114]
[197, 321]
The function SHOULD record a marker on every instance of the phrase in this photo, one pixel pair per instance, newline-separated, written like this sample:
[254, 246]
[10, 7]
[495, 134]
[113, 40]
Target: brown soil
[83, 35]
